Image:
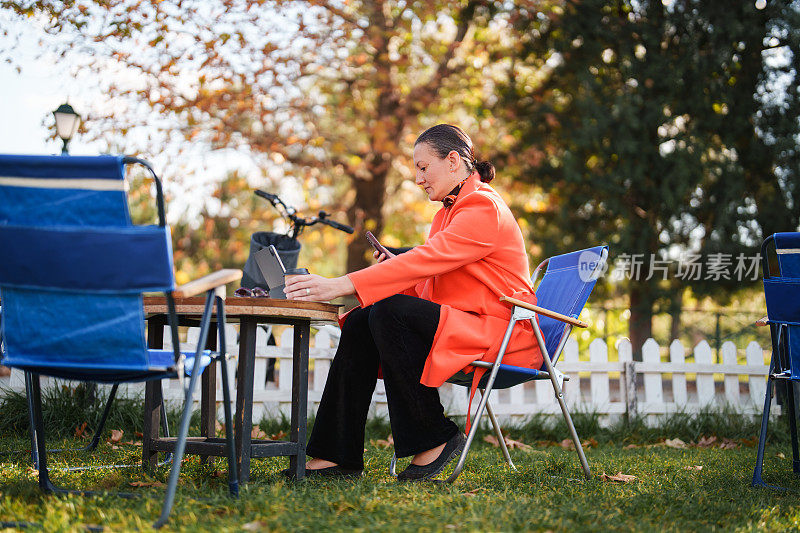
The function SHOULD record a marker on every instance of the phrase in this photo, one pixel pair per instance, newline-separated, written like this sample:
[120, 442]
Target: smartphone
[377, 245]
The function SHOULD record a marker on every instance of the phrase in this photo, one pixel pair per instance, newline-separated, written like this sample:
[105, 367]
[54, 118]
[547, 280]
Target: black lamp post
[67, 121]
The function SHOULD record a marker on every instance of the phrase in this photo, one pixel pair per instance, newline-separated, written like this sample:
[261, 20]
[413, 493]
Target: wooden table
[249, 312]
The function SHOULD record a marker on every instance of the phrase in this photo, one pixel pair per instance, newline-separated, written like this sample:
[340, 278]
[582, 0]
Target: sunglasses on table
[255, 292]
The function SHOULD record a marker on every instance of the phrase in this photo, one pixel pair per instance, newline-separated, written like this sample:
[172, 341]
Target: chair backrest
[565, 288]
[787, 246]
[782, 294]
[74, 266]
[782, 291]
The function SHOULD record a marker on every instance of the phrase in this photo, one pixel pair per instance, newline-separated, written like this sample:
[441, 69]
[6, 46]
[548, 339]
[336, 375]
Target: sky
[27, 101]
[29, 97]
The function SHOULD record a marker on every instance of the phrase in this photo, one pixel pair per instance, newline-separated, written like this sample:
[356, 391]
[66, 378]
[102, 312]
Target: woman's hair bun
[486, 171]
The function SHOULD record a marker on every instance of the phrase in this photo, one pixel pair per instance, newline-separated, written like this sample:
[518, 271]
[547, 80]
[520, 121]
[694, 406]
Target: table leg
[208, 395]
[302, 334]
[244, 395]
[153, 398]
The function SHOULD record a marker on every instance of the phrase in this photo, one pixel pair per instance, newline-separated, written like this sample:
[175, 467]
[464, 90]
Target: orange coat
[474, 254]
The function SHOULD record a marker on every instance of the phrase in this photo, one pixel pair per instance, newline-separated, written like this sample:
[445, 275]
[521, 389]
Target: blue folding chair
[782, 293]
[71, 281]
[561, 295]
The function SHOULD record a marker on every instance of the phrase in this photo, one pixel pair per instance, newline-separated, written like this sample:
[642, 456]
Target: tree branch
[341, 14]
[428, 91]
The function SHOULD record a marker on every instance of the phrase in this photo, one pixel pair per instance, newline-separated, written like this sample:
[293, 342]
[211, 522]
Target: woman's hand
[380, 257]
[314, 288]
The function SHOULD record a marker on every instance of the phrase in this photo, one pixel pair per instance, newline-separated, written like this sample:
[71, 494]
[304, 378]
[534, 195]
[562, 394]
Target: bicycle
[288, 247]
[287, 244]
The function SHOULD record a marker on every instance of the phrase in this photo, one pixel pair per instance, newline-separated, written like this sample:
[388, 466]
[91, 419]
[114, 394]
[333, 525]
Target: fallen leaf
[491, 439]
[342, 507]
[79, 430]
[675, 443]
[383, 443]
[278, 436]
[254, 526]
[146, 484]
[510, 443]
[473, 492]
[567, 443]
[591, 443]
[619, 477]
[219, 473]
[728, 444]
[750, 442]
[116, 435]
[631, 446]
[693, 467]
[257, 433]
[706, 442]
[780, 455]
[138, 434]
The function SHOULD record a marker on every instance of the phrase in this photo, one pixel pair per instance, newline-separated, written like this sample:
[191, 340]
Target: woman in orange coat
[425, 315]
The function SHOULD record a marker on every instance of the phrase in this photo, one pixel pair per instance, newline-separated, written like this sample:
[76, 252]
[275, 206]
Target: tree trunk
[641, 323]
[366, 212]
[675, 307]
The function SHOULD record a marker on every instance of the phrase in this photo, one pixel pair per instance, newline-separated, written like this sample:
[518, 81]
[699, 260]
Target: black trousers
[394, 335]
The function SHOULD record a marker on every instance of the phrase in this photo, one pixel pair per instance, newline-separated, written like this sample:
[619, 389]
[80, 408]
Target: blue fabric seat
[73, 273]
[561, 294]
[782, 295]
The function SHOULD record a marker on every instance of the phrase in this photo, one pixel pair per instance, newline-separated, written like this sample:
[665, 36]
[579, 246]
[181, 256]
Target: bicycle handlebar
[341, 227]
[299, 223]
[268, 196]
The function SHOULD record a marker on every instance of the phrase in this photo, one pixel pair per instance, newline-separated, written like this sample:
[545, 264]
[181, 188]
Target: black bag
[288, 249]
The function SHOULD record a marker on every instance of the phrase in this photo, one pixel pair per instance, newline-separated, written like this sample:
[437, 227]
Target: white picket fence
[611, 384]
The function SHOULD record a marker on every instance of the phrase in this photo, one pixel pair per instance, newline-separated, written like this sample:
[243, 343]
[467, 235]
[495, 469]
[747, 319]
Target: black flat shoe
[329, 472]
[451, 450]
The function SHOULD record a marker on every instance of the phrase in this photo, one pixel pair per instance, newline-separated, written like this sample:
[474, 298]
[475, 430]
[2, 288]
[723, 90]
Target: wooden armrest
[211, 281]
[762, 321]
[545, 312]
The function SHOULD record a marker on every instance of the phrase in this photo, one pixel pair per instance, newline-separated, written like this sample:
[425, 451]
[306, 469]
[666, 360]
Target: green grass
[548, 492]
[67, 406]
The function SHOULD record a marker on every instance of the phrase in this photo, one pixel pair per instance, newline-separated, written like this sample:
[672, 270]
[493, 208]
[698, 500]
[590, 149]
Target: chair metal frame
[524, 311]
[779, 371]
[214, 287]
[95, 440]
